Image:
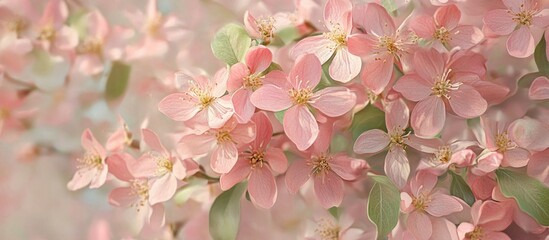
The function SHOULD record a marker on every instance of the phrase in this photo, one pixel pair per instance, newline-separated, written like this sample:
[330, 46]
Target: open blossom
[383, 45]
[296, 94]
[490, 218]
[338, 20]
[327, 227]
[92, 169]
[443, 155]
[201, 103]
[265, 26]
[439, 82]
[51, 32]
[444, 30]
[245, 78]
[222, 143]
[517, 20]
[424, 204]
[257, 162]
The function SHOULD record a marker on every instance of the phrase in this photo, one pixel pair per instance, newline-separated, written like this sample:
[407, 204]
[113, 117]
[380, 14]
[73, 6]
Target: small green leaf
[368, 118]
[541, 57]
[526, 80]
[383, 205]
[225, 213]
[231, 43]
[117, 82]
[280, 115]
[531, 195]
[288, 35]
[389, 5]
[272, 67]
[460, 189]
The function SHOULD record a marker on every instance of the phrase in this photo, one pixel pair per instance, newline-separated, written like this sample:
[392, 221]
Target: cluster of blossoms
[406, 117]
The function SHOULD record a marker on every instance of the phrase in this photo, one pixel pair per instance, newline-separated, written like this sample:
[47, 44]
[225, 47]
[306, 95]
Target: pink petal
[90, 144]
[66, 38]
[240, 171]
[218, 84]
[539, 90]
[423, 26]
[317, 45]
[118, 166]
[495, 216]
[251, 25]
[428, 117]
[413, 88]
[336, 12]
[467, 102]
[371, 141]
[179, 170]
[297, 175]
[219, 112]
[361, 44]
[377, 73]
[420, 225]
[442, 205]
[264, 130]
[516, 157]
[81, 178]
[517, 5]
[236, 76]
[541, 20]
[448, 16]
[521, 43]
[345, 66]
[193, 145]
[397, 115]
[496, 236]
[466, 37]
[333, 101]
[429, 64]
[178, 106]
[530, 134]
[162, 189]
[300, 126]
[463, 229]
[271, 98]
[122, 197]
[144, 167]
[243, 107]
[397, 167]
[224, 157]
[152, 140]
[98, 25]
[328, 189]
[306, 72]
[258, 59]
[443, 229]
[373, 18]
[243, 133]
[488, 163]
[348, 168]
[262, 187]
[500, 22]
[156, 214]
[100, 177]
[277, 160]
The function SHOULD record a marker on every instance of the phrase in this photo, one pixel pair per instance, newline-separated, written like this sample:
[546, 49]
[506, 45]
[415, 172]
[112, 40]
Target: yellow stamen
[300, 96]
[327, 229]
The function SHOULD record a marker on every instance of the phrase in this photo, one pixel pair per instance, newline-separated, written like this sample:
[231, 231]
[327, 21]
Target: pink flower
[328, 227]
[221, 142]
[12, 54]
[383, 45]
[263, 28]
[119, 139]
[202, 101]
[51, 32]
[439, 81]
[159, 165]
[245, 78]
[397, 166]
[489, 220]
[256, 163]
[93, 169]
[338, 20]
[423, 203]
[297, 94]
[539, 90]
[444, 30]
[519, 15]
[444, 155]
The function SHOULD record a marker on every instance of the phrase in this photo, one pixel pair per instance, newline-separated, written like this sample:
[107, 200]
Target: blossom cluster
[331, 119]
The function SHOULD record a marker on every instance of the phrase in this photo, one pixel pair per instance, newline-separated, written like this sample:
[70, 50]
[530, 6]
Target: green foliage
[225, 213]
[368, 118]
[461, 189]
[117, 82]
[541, 58]
[383, 205]
[231, 43]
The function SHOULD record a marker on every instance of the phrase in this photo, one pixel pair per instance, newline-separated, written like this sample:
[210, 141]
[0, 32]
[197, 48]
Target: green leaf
[272, 67]
[531, 195]
[461, 189]
[231, 43]
[117, 82]
[383, 205]
[526, 80]
[541, 57]
[225, 213]
[280, 115]
[389, 5]
[288, 35]
[368, 118]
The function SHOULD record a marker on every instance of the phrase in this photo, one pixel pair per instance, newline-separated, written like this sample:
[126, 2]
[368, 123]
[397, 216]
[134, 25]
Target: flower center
[153, 25]
[91, 160]
[443, 154]
[398, 137]
[223, 136]
[524, 17]
[300, 96]
[265, 26]
[476, 234]
[443, 85]
[337, 36]
[4, 113]
[421, 202]
[443, 35]
[257, 158]
[16, 25]
[327, 229]
[320, 163]
[204, 96]
[91, 46]
[390, 44]
[252, 82]
[47, 33]
[503, 143]
[141, 189]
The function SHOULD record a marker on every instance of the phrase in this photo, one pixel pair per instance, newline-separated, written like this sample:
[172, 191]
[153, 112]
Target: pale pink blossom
[221, 142]
[517, 20]
[264, 27]
[297, 95]
[424, 203]
[539, 90]
[383, 45]
[257, 162]
[444, 31]
[327, 226]
[120, 138]
[440, 84]
[489, 220]
[202, 101]
[245, 78]
[50, 31]
[92, 169]
[13, 53]
[395, 139]
[338, 20]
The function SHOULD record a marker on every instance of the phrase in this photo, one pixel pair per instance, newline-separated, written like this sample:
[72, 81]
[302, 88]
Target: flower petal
[258, 59]
[277, 160]
[243, 107]
[499, 21]
[300, 126]
[539, 90]
[239, 172]
[328, 189]
[521, 43]
[371, 141]
[412, 87]
[306, 72]
[345, 66]
[317, 45]
[397, 167]
[428, 117]
[466, 102]
[262, 187]
[297, 175]
[442, 205]
[377, 73]
[162, 189]
[122, 197]
[271, 98]
[448, 16]
[333, 101]
[178, 106]
[420, 225]
[224, 157]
